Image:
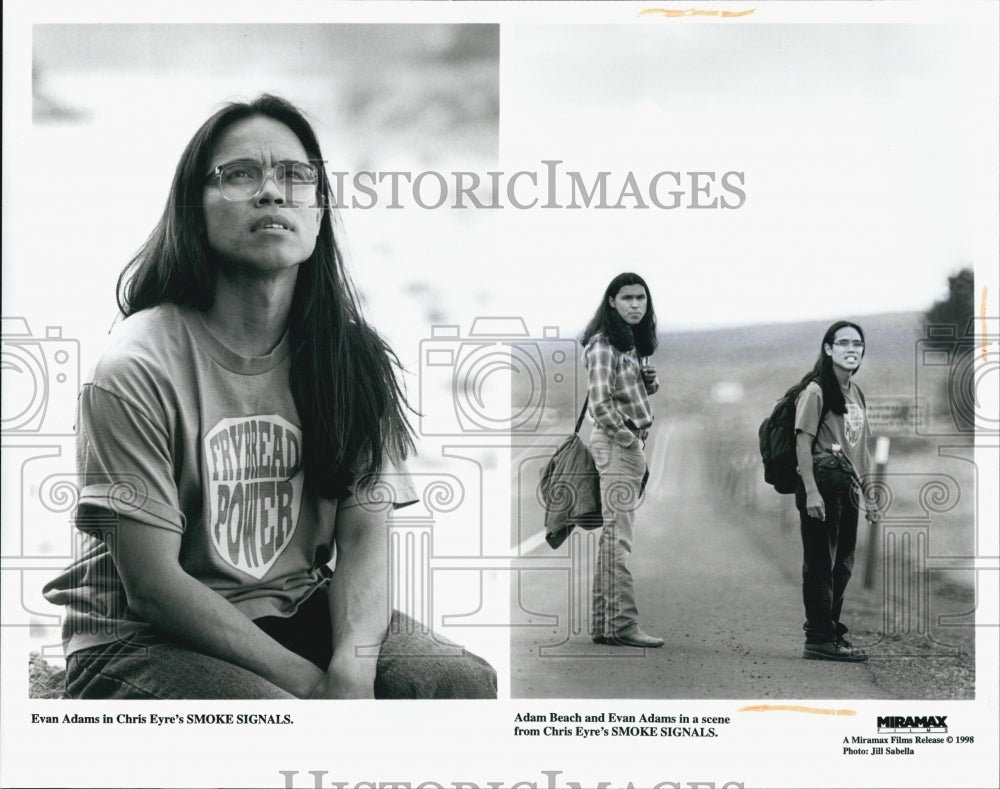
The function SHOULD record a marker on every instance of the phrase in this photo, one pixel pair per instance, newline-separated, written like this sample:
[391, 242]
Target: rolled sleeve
[124, 464]
[808, 408]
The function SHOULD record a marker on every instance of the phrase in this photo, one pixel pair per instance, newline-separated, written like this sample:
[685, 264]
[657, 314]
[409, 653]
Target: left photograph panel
[231, 246]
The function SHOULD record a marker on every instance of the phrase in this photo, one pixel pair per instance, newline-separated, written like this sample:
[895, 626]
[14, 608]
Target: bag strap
[583, 412]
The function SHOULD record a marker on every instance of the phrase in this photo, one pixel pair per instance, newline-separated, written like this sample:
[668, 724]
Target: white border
[471, 741]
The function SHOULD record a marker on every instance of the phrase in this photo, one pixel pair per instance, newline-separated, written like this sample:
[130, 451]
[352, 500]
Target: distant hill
[703, 372]
[890, 337]
[758, 363]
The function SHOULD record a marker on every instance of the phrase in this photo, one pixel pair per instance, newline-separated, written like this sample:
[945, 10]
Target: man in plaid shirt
[622, 331]
[619, 387]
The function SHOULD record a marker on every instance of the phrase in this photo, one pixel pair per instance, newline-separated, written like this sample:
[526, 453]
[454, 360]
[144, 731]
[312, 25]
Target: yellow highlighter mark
[796, 708]
[982, 312]
[671, 13]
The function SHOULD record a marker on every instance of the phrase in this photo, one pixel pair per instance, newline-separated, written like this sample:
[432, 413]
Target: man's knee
[458, 676]
[471, 678]
[415, 663]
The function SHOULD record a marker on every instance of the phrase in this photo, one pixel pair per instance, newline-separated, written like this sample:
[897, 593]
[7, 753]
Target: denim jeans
[413, 664]
[827, 559]
[613, 607]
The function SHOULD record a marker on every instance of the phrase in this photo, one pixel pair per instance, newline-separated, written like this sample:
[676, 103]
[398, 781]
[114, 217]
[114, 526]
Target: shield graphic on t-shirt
[854, 423]
[253, 465]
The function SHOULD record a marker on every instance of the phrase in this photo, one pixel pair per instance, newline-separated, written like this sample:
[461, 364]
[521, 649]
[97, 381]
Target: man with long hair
[831, 442]
[619, 337]
[244, 429]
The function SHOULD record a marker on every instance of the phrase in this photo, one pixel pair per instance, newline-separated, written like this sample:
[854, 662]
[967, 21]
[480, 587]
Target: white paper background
[498, 271]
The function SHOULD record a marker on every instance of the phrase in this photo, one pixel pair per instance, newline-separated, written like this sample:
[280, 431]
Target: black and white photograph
[200, 558]
[523, 395]
[769, 189]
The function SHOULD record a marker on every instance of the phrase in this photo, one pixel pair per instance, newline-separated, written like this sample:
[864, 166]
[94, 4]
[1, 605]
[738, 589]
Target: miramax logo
[913, 723]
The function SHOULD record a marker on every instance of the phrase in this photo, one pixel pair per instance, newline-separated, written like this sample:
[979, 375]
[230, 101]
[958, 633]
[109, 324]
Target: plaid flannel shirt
[619, 397]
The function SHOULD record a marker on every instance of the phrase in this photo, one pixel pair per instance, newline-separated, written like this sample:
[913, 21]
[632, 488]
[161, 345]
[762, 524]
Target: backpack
[570, 488]
[776, 437]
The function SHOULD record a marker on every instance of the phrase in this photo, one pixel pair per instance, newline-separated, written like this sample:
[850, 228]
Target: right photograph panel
[750, 253]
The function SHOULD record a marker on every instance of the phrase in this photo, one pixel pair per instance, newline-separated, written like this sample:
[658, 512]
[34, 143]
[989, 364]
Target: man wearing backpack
[833, 456]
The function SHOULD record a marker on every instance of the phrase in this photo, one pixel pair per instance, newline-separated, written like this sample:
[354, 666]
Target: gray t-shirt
[178, 432]
[850, 430]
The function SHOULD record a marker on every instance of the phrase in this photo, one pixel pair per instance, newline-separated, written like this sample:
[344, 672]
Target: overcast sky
[866, 153]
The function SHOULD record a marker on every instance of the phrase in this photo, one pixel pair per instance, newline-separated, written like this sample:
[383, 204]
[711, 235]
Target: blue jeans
[613, 607]
[413, 664]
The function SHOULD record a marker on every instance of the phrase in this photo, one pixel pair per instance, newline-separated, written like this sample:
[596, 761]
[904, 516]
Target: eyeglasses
[245, 180]
[857, 345]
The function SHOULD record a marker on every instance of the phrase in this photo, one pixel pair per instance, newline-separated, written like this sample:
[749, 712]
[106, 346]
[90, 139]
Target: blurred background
[114, 105]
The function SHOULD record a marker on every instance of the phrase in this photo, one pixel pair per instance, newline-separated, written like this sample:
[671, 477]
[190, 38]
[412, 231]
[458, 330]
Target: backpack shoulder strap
[583, 411]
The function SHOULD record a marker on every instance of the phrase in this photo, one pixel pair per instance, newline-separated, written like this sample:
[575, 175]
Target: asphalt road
[728, 606]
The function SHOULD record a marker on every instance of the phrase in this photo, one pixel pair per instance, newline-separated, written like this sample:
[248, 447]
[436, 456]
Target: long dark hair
[343, 374]
[822, 372]
[621, 335]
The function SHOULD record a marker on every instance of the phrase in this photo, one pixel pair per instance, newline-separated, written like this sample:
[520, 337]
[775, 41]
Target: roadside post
[871, 557]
